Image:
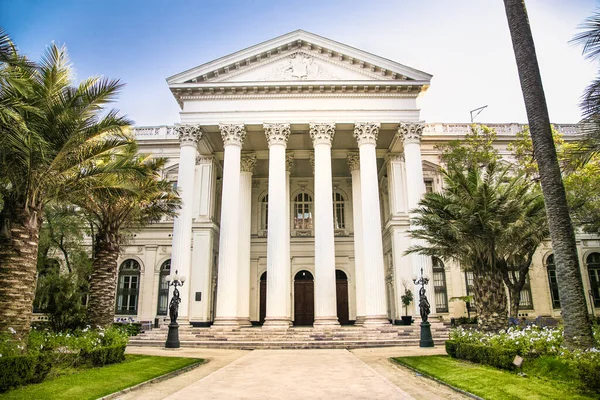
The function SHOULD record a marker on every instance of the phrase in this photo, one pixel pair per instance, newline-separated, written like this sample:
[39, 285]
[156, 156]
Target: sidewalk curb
[158, 379]
[471, 395]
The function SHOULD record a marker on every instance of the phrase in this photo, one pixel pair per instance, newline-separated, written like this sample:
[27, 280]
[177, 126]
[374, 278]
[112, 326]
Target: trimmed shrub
[21, 370]
[104, 355]
[451, 346]
[482, 354]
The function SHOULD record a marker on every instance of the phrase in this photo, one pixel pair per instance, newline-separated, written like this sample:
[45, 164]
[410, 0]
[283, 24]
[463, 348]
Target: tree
[577, 328]
[113, 216]
[465, 223]
[52, 135]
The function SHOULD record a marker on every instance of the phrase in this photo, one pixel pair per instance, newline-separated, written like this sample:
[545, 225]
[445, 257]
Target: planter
[407, 319]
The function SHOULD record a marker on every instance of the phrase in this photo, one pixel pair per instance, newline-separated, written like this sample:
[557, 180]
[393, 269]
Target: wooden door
[304, 298]
[263, 298]
[341, 294]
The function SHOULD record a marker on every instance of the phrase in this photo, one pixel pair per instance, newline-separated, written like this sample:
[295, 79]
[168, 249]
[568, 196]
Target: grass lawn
[92, 383]
[547, 378]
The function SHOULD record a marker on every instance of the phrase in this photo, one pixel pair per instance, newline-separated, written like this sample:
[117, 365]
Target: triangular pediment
[299, 56]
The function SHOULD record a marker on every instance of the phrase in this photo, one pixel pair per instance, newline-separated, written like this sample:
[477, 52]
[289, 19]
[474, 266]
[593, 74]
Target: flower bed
[498, 349]
[23, 362]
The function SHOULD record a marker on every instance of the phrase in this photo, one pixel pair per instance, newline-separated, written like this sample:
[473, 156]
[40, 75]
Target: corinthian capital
[366, 132]
[232, 134]
[189, 135]
[277, 133]
[248, 162]
[322, 133]
[410, 132]
[353, 161]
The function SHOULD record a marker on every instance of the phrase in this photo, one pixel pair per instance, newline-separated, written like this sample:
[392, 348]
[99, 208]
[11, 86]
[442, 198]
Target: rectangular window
[469, 279]
[526, 302]
[428, 185]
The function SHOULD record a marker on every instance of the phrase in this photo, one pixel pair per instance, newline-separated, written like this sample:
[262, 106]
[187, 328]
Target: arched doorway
[304, 298]
[263, 298]
[341, 294]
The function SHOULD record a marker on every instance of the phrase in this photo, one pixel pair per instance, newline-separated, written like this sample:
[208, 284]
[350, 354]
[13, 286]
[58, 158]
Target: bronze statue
[424, 304]
[174, 306]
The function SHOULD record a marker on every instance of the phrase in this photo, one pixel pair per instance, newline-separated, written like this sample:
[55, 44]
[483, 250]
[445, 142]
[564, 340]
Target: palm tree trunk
[103, 283]
[18, 269]
[490, 299]
[577, 328]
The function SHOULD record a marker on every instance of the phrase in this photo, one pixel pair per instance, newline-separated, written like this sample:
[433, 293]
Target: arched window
[525, 297]
[339, 222]
[129, 287]
[593, 266]
[264, 212]
[470, 283]
[303, 204]
[163, 288]
[439, 285]
[551, 267]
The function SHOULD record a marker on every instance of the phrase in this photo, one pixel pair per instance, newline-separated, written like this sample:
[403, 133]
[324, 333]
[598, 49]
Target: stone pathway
[295, 374]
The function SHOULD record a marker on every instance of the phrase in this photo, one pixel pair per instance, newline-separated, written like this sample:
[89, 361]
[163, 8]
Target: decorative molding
[233, 134]
[299, 66]
[410, 132]
[353, 160]
[189, 135]
[277, 133]
[394, 157]
[248, 162]
[322, 133]
[366, 132]
[289, 161]
[311, 92]
[204, 159]
[311, 160]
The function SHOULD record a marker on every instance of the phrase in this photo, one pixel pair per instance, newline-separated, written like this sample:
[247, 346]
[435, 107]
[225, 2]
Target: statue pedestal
[426, 339]
[173, 336]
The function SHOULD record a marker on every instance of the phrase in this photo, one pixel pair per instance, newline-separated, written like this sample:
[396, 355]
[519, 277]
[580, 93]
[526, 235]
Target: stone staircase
[297, 337]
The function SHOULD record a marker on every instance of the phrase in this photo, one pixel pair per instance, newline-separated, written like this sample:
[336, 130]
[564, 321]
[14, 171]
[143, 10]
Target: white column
[277, 241]
[410, 134]
[375, 303]
[247, 167]
[227, 281]
[359, 271]
[289, 163]
[182, 225]
[397, 184]
[325, 285]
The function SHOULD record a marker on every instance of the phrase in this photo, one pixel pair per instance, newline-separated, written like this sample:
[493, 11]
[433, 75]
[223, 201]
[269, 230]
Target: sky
[464, 44]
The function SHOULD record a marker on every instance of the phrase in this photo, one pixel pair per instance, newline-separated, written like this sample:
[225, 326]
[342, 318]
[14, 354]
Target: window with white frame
[339, 220]
[303, 205]
[439, 285]
[163, 288]
[264, 212]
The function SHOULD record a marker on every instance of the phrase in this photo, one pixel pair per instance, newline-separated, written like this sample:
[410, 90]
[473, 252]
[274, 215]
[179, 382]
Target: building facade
[298, 161]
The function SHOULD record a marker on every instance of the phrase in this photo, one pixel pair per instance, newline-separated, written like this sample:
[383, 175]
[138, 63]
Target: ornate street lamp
[173, 336]
[425, 309]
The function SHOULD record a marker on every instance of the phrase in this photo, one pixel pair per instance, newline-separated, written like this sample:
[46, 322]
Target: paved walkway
[295, 374]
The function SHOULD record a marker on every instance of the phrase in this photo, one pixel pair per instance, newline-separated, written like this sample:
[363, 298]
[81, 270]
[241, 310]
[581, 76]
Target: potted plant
[406, 298]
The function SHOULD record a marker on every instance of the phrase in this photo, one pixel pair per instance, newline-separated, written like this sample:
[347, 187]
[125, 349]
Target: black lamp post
[173, 336]
[425, 309]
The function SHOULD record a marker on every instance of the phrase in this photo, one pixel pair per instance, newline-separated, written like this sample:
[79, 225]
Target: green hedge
[482, 354]
[21, 370]
[104, 355]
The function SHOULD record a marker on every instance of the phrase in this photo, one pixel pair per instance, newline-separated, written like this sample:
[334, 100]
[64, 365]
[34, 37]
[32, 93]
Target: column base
[375, 320]
[360, 320]
[326, 322]
[226, 322]
[244, 321]
[277, 323]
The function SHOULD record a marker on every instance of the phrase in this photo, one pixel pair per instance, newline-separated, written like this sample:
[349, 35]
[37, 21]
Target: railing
[168, 132]
[154, 132]
[501, 129]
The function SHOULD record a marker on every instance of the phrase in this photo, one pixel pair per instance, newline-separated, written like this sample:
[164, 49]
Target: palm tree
[115, 215]
[51, 137]
[464, 223]
[521, 236]
[577, 328]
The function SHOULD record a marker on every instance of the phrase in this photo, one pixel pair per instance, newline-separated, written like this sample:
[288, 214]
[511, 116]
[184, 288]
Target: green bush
[105, 355]
[132, 329]
[451, 346]
[482, 354]
[23, 369]
[587, 366]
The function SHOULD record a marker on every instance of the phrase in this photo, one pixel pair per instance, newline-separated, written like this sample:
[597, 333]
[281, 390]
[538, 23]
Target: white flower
[11, 330]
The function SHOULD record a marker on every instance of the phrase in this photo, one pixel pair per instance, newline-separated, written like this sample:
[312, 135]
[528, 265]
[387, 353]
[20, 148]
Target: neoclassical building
[298, 161]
